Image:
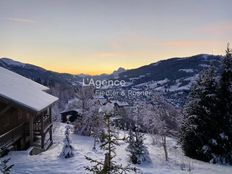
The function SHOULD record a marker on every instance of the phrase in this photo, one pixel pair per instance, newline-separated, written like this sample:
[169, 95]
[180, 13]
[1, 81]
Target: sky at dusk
[98, 36]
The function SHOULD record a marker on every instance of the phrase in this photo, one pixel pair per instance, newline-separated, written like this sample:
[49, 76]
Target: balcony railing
[11, 136]
[46, 122]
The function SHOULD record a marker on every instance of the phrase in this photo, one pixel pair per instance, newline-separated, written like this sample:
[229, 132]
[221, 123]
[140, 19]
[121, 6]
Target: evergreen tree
[5, 168]
[130, 138]
[67, 151]
[198, 127]
[222, 152]
[138, 151]
[109, 145]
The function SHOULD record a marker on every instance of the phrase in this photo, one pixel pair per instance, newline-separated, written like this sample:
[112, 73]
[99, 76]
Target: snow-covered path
[49, 162]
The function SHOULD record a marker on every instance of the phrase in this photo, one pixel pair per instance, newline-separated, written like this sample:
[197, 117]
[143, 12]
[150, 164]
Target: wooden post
[42, 131]
[50, 132]
[165, 147]
[31, 129]
[50, 116]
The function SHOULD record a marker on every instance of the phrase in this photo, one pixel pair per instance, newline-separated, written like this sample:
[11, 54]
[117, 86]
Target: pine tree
[5, 168]
[138, 151]
[130, 138]
[67, 151]
[109, 165]
[198, 127]
[222, 151]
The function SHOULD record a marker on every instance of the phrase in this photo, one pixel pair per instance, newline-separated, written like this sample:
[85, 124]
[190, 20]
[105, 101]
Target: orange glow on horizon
[105, 62]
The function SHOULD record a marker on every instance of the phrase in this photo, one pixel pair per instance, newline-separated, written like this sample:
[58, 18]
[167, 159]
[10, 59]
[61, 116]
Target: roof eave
[25, 107]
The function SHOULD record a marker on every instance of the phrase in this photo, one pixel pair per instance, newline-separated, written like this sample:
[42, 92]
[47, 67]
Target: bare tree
[84, 94]
[160, 118]
[89, 108]
[166, 123]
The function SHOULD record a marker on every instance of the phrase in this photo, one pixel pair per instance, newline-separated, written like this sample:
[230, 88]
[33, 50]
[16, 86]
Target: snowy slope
[49, 163]
[173, 77]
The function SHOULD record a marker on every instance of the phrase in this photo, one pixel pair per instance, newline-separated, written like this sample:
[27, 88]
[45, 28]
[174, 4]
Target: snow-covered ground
[49, 162]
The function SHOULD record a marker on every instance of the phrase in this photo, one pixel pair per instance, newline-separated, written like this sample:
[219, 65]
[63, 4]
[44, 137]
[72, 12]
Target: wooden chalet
[25, 112]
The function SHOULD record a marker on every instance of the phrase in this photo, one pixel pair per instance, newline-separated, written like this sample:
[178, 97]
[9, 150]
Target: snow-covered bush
[67, 151]
[5, 168]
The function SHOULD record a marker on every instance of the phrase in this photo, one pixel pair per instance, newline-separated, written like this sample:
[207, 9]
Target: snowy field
[49, 162]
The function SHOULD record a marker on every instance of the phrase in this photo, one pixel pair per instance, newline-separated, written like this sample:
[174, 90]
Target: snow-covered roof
[76, 110]
[24, 91]
[120, 103]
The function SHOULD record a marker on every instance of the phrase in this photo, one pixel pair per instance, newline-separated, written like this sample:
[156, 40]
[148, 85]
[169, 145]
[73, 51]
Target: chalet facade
[25, 112]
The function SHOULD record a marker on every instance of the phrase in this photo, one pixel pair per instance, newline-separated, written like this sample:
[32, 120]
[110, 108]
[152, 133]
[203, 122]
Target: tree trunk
[106, 167]
[165, 147]
[94, 143]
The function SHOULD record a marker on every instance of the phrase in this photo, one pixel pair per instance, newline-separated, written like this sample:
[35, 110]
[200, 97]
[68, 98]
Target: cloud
[220, 28]
[20, 20]
[193, 43]
[181, 48]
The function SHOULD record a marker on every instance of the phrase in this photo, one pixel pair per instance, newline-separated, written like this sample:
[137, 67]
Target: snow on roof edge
[27, 106]
[24, 92]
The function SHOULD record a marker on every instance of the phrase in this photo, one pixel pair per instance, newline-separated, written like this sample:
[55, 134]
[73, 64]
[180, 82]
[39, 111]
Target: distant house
[120, 107]
[120, 104]
[101, 100]
[121, 119]
[25, 112]
[71, 115]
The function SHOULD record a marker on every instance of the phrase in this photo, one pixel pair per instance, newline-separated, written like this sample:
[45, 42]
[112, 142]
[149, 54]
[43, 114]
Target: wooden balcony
[41, 125]
[10, 137]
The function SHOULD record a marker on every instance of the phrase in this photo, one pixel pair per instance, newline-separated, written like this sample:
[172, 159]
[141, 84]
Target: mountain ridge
[173, 76]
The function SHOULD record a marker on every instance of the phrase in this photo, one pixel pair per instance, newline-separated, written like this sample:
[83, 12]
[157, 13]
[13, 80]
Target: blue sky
[98, 36]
